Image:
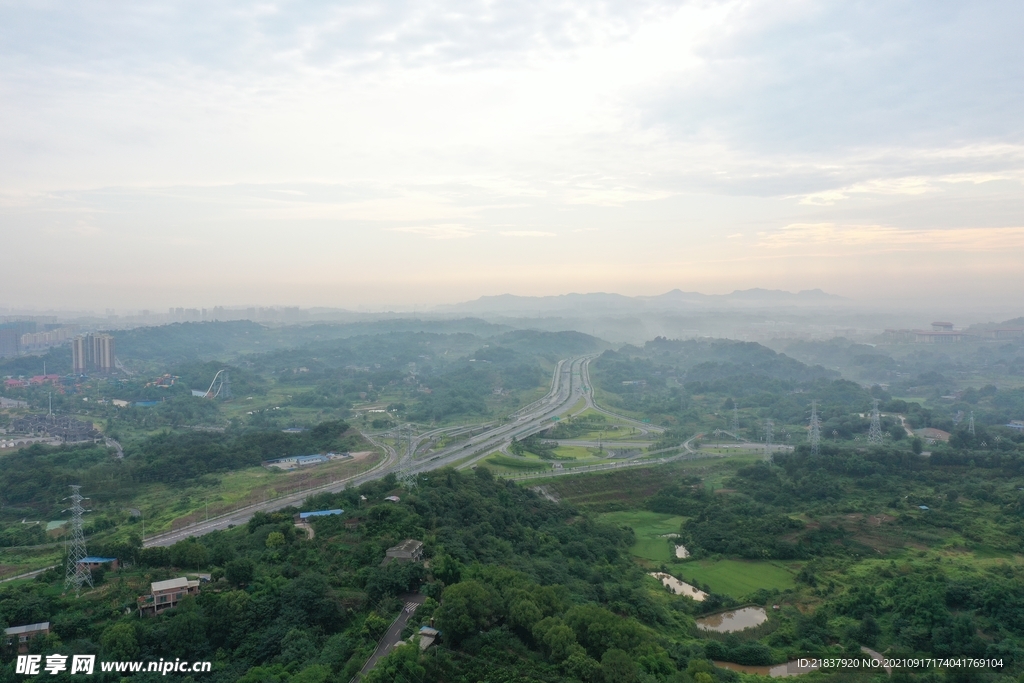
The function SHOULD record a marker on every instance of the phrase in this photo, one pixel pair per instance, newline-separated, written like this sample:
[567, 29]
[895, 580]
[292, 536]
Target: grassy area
[502, 462]
[738, 577]
[650, 529]
[14, 561]
[576, 452]
[166, 507]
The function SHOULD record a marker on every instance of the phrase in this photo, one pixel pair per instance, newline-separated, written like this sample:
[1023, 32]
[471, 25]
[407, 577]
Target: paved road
[644, 427]
[604, 443]
[569, 383]
[242, 515]
[393, 635]
[29, 575]
[534, 416]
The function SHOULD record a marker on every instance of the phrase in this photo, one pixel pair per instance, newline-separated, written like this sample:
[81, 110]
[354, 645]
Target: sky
[422, 152]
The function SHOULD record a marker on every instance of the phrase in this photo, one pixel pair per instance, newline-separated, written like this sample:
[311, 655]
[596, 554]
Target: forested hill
[702, 360]
[226, 340]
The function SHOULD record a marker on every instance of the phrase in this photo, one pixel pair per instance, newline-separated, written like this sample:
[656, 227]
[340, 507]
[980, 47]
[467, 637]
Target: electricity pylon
[769, 432]
[815, 432]
[970, 425]
[76, 573]
[875, 431]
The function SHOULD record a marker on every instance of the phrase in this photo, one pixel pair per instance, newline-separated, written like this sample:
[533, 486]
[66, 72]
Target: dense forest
[530, 590]
[694, 385]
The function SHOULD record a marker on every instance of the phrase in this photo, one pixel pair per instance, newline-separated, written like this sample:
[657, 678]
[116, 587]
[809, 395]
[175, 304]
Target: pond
[734, 620]
[792, 668]
[679, 587]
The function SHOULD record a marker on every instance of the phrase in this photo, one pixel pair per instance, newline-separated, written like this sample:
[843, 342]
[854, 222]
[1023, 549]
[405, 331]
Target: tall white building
[92, 352]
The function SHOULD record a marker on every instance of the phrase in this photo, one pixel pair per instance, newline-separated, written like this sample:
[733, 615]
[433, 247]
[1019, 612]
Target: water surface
[679, 587]
[734, 620]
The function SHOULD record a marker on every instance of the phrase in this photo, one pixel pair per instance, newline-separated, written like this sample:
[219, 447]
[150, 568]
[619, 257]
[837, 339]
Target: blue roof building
[320, 513]
[93, 562]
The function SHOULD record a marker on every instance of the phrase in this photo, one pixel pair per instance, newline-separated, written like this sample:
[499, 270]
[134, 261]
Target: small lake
[679, 587]
[792, 668]
[734, 620]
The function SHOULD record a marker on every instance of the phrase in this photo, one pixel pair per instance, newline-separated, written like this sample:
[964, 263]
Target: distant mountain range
[676, 299]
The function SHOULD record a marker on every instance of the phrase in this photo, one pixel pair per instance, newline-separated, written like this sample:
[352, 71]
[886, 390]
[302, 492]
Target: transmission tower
[75, 574]
[815, 432]
[735, 420]
[875, 432]
[970, 424]
[769, 432]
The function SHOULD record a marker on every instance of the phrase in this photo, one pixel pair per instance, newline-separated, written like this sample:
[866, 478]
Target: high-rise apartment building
[10, 336]
[92, 352]
[79, 362]
[10, 343]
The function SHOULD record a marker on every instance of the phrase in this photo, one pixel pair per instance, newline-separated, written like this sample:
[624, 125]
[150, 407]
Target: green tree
[315, 673]
[558, 640]
[447, 568]
[120, 642]
[275, 539]
[466, 607]
[240, 572]
[617, 667]
[402, 664]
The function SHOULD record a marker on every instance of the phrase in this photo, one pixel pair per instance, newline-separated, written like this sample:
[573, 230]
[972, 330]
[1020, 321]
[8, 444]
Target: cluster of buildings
[25, 336]
[48, 427]
[92, 352]
[35, 380]
[944, 333]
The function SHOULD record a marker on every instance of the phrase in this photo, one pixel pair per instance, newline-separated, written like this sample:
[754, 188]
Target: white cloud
[887, 238]
[663, 126]
[437, 232]
[526, 233]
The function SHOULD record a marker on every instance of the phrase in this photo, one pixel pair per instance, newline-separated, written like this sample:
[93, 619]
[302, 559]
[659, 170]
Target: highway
[570, 382]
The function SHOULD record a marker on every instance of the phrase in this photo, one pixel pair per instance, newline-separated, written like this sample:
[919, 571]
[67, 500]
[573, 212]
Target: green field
[575, 452]
[650, 528]
[738, 577]
[503, 462]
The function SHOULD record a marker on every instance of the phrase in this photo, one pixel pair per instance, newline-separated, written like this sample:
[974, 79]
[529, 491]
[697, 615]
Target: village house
[409, 550]
[166, 595]
[91, 563]
[20, 636]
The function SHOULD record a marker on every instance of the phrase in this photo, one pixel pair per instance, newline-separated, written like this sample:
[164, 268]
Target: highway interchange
[569, 384]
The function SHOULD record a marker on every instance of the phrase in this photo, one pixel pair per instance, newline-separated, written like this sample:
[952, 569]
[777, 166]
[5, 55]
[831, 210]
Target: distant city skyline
[400, 155]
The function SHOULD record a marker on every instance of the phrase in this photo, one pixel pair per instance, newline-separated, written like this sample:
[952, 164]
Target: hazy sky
[202, 153]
